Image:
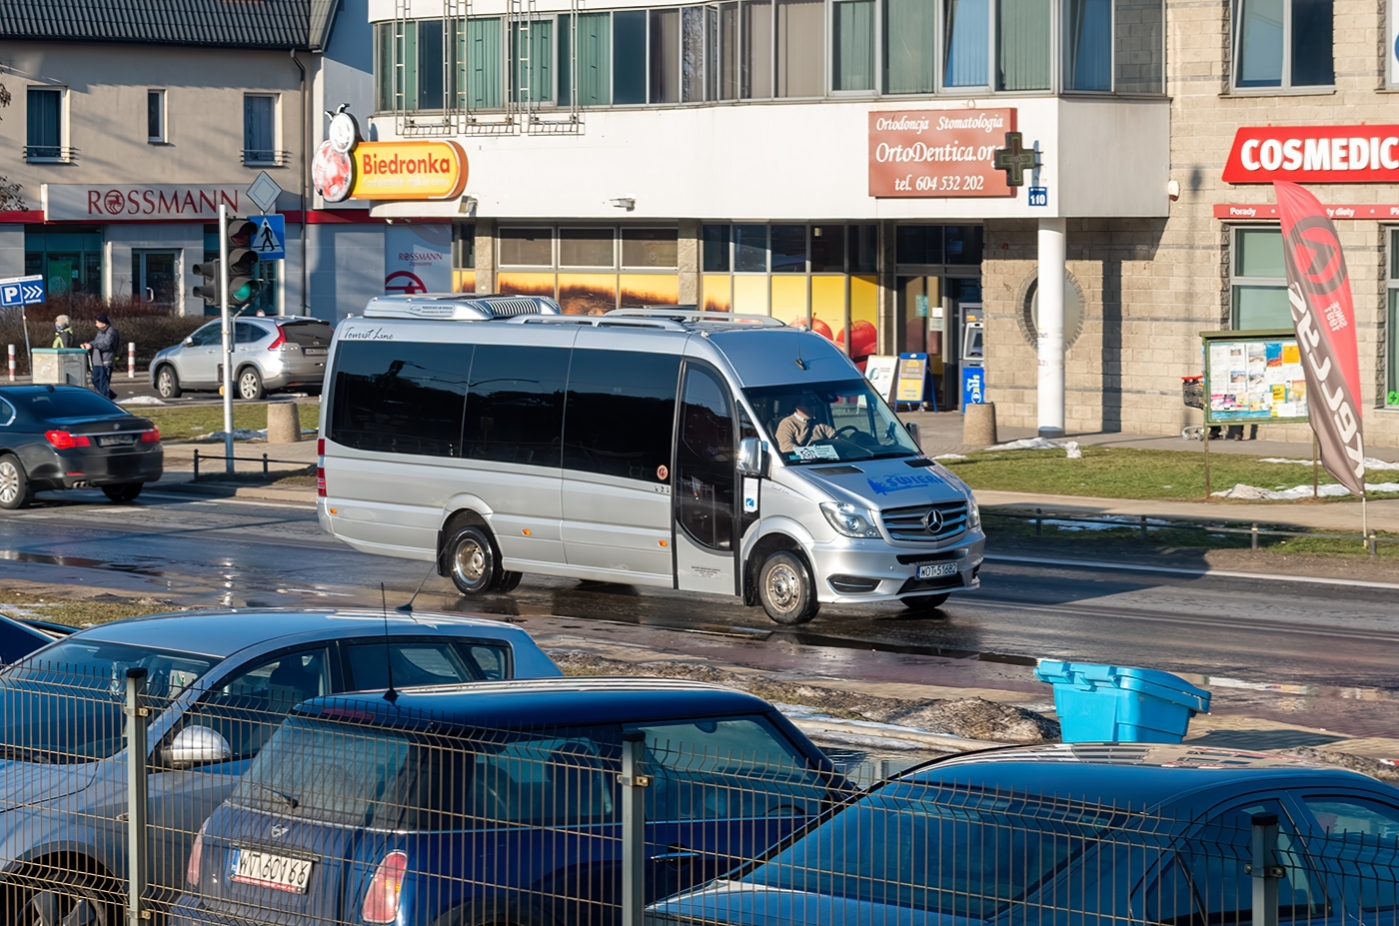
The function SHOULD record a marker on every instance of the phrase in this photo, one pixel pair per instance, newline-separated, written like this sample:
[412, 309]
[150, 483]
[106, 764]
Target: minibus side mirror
[913, 433]
[752, 457]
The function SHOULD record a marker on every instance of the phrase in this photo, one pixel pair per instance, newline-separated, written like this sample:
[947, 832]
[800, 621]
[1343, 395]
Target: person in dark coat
[104, 353]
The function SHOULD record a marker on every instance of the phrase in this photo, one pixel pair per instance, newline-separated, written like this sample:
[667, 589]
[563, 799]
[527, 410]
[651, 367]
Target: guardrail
[1146, 523]
[265, 459]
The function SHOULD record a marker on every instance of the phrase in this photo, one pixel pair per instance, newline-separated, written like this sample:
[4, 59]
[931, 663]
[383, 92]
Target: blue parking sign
[21, 291]
[270, 241]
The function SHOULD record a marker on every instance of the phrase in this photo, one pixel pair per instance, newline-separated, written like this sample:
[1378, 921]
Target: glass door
[704, 492]
[154, 278]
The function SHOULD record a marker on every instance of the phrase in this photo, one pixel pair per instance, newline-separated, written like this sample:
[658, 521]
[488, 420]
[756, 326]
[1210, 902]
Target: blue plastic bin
[1120, 704]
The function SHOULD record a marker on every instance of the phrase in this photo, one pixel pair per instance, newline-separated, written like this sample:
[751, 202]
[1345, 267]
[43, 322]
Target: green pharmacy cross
[1015, 159]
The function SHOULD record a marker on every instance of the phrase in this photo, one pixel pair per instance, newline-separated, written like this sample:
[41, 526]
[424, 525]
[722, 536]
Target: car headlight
[973, 514]
[849, 520]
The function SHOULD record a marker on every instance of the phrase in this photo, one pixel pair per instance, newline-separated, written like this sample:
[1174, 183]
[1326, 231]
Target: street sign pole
[29, 351]
[227, 339]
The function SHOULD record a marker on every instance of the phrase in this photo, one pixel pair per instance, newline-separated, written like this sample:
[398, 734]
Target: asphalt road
[1313, 654]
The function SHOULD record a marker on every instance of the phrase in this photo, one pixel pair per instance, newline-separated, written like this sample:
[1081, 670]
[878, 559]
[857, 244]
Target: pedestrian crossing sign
[270, 241]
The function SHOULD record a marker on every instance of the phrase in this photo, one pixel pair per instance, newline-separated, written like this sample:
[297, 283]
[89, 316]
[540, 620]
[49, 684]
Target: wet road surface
[1316, 655]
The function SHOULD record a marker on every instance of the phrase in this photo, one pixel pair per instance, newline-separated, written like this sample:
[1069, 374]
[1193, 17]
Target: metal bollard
[1039, 523]
[634, 786]
[196, 464]
[1253, 536]
[130, 359]
[137, 717]
[1144, 534]
[264, 464]
[12, 363]
[1265, 870]
[1372, 544]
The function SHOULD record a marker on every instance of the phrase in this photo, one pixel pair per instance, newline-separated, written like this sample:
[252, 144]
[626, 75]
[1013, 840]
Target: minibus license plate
[937, 570]
[267, 870]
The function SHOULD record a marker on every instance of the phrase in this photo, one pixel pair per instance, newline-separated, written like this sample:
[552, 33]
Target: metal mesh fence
[233, 808]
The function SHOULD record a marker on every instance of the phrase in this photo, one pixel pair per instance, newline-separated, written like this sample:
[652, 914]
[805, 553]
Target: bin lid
[59, 350]
[1154, 682]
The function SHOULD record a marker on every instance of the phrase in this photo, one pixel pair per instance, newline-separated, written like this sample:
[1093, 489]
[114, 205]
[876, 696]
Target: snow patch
[238, 434]
[1040, 443]
[950, 456]
[1370, 463]
[140, 400]
[1256, 493]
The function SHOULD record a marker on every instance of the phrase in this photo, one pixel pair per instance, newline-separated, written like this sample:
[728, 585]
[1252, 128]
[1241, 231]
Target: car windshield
[830, 422]
[64, 705]
[308, 333]
[67, 403]
[913, 845]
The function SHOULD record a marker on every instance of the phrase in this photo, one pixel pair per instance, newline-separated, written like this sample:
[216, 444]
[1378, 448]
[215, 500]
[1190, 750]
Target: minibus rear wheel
[786, 589]
[472, 561]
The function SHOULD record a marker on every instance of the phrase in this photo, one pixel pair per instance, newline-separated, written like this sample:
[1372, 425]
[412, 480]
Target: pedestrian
[104, 354]
[62, 333]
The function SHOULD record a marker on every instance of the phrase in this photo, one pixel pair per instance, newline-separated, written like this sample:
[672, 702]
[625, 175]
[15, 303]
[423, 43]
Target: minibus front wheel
[472, 561]
[786, 589]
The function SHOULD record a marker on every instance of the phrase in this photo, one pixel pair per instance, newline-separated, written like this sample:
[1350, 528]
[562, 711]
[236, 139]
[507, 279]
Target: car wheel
[925, 602]
[167, 383]
[14, 485]
[509, 581]
[250, 385]
[123, 493]
[471, 561]
[786, 589]
[67, 897]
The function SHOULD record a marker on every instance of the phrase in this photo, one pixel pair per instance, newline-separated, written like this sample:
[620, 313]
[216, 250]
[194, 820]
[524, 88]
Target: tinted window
[1216, 855]
[247, 707]
[209, 334]
[400, 398]
[704, 459]
[16, 640]
[1359, 849]
[418, 662]
[621, 411]
[515, 412]
[308, 334]
[68, 403]
[248, 333]
[7, 413]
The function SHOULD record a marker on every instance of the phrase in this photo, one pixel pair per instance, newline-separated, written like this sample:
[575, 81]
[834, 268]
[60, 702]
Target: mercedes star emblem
[932, 521]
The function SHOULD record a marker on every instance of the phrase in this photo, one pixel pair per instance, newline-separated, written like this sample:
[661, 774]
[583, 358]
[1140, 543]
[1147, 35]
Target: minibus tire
[786, 589]
[471, 560]
[509, 581]
[925, 602]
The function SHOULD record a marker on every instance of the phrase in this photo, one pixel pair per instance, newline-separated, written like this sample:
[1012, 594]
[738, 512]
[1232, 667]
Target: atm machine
[972, 357]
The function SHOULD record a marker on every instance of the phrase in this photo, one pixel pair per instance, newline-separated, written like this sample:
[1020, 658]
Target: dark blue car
[1077, 835]
[499, 803]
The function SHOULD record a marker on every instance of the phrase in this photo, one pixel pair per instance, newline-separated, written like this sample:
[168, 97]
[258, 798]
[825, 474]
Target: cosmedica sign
[1314, 154]
[938, 153]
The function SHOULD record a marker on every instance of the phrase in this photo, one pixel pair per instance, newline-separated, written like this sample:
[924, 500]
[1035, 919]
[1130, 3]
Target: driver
[800, 428]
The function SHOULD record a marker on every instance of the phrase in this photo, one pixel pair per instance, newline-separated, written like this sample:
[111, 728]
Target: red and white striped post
[130, 359]
[12, 363]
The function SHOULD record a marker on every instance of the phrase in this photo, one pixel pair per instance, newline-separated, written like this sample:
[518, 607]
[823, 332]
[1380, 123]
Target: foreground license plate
[117, 440]
[313, 351]
[937, 570]
[268, 870]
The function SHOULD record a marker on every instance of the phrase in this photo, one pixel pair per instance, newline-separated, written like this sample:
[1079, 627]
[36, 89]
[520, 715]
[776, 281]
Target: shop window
[155, 116]
[1022, 44]
[910, 41]
[259, 128]
[586, 247]
[1259, 285]
[69, 262]
[715, 240]
[463, 246]
[648, 248]
[864, 248]
[479, 65]
[665, 56]
[1283, 44]
[1392, 335]
[852, 45]
[827, 248]
[963, 244]
[44, 139]
[788, 248]
[966, 43]
[750, 248]
[918, 244]
[629, 57]
[526, 247]
[532, 50]
[756, 38]
[587, 69]
[800, 48]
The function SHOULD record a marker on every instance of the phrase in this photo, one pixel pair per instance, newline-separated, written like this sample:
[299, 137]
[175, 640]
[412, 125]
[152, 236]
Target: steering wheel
[849, 427]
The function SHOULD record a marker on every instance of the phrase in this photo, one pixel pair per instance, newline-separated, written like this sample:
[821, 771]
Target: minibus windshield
[844, 420]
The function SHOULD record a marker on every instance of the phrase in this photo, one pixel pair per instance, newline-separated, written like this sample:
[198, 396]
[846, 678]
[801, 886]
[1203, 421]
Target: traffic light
[242, 263]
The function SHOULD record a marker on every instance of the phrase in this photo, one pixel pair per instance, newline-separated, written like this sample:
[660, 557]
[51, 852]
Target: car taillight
[320, 467]
[381, 903]
[62, 440]
[280, 341]
[196, 854]
[151, 437]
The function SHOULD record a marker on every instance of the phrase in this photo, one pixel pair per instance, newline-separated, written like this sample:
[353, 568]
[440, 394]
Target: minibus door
[705, 500]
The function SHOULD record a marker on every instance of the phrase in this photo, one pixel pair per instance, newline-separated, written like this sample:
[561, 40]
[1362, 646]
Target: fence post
[633, 827]
[1372, 544]
[264, 464]
[137, 717]
[1265, 870]
[130, 359]
[1144, 534]
[1253, 535]
[1039, 522]
[196, 464]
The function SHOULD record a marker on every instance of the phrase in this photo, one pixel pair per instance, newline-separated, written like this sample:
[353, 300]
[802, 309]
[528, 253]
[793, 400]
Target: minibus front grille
[939, 521]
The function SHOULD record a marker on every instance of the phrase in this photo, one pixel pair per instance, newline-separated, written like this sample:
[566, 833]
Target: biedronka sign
[346, 168]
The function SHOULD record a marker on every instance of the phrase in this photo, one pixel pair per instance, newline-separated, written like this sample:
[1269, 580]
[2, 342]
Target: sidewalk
[289, 458]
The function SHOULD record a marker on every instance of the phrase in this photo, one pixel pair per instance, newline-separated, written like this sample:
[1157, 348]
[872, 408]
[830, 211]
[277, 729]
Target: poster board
[1252, 377]
[913, 371]
[880, 371]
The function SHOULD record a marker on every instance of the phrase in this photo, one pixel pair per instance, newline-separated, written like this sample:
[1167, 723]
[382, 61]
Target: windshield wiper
[285, 798]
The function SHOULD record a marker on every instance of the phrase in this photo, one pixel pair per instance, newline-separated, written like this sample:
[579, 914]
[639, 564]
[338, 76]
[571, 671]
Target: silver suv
[269, 353]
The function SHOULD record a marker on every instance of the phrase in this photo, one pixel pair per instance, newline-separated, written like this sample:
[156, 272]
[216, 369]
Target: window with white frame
[1283, 44]
[1258, 287]
[44, 136]
[155, 116]
[260, 128]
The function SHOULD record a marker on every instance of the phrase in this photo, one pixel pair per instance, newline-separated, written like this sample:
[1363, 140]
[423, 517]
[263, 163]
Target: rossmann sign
[1314, 154]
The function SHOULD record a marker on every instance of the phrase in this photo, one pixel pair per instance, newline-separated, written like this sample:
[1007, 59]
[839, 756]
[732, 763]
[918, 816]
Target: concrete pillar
[485, 256]
[688, 262]
[1052, 253]
[888, 307]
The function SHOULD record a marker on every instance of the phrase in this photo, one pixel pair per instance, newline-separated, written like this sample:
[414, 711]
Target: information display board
[913, 371]
[1252, 377]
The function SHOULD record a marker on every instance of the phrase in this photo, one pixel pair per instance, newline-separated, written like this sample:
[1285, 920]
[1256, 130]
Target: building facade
[125, 132]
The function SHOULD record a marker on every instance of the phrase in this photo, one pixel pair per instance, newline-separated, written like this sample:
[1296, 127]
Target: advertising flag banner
[1318, 288]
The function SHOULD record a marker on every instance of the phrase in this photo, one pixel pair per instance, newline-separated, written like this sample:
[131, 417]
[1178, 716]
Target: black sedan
[20, 638]
[65, 437]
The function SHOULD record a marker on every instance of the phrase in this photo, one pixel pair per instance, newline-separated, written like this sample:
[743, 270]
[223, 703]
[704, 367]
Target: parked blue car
[219, 683]
[1076, 834]
[498, 804]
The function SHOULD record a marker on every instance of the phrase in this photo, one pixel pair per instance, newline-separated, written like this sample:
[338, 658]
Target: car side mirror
[189, 341]
[197, 745]
[913, 433]
[752, 457]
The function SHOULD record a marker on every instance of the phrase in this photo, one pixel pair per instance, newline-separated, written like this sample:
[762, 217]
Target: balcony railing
[259, 157]
[57, 154]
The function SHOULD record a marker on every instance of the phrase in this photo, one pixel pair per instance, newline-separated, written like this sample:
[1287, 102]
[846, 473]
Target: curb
[302, 496]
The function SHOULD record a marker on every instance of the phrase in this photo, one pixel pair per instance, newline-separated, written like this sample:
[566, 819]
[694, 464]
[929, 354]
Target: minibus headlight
[973, 514]
[849, 520]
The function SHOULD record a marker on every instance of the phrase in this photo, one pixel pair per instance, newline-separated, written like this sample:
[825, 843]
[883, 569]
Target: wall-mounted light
[624, 202]
[1173, 189]
[468, 205]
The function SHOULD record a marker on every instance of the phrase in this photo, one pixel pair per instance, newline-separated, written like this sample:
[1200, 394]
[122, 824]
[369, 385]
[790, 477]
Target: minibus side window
[704, 461]
[620, 413]
[514, 412]
[396, 397]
